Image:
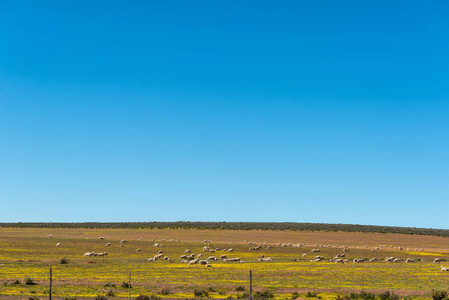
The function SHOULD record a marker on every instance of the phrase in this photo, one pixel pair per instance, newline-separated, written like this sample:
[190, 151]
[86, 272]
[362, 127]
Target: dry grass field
[29, 253]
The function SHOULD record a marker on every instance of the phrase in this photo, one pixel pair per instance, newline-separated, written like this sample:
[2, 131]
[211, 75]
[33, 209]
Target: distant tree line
[239, 226]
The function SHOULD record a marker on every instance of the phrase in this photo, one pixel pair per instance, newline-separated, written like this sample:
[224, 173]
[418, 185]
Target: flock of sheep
[191, 259]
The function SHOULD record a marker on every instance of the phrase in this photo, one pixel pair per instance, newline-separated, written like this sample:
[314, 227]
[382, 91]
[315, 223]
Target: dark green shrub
[388, 296]
[29, 281]
[110, 285]
[311, 294]
[126, 285]
[240, 288]
[243, 296]
[295, 295]
[263, 295]
[201, 293]
[165, 291]
[438, 294]
[33, 298]
[101, 297]
[69, 298]
[110, 293]
[64, 261]
[142, 297]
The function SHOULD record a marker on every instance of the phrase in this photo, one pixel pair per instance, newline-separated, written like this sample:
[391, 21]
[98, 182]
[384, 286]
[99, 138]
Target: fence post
[129, 285]
[49, 289]
[250, 285]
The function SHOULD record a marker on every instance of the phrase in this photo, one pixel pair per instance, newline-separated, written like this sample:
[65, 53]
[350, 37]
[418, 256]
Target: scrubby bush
[243, 296]
[69, 298]
[388, 296]
[110, 293]
[295, 295]
[29, 281]
[201, 293]
[142, 297]
[126, 285]
[110, 285]
[263, 295]
[165, 291]
[439, 294]
[311, 294]
[365, 296]
[240, 288]
[64, 261]
[101, 297]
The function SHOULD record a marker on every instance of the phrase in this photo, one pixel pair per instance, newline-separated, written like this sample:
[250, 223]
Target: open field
[28, 252]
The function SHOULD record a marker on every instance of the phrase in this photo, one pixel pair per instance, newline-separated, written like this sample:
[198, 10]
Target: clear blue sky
[303, 111]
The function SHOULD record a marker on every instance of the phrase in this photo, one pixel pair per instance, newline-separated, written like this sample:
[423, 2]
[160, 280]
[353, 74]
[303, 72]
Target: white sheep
[58, 244]
[444, 269]
[193, 262]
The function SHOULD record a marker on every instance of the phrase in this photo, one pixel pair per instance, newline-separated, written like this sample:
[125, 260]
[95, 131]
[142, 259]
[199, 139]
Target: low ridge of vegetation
[240, 226]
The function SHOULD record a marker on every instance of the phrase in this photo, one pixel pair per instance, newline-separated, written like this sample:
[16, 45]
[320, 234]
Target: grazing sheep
[121, 245]
[397, 260]
[156, 245]
[187, 251]
[166, 258]
[389, 259]
[102, 238]
[203, 262]
[436, 260]
[58, 244]
[49, 236]
[108, 244]
[102, 254]
[160, 252]
[232, 259]
[358, 260]
[122, 241]
[304, 255]
[230, 250]
[138, 250]
[268, 247]
[339, 260]
[222, 257]
[183, 257]
[211, 258]
[208, 266]
[373, 259]
[409, 260]
[444, 269]
[265, 259]
[193, 262]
